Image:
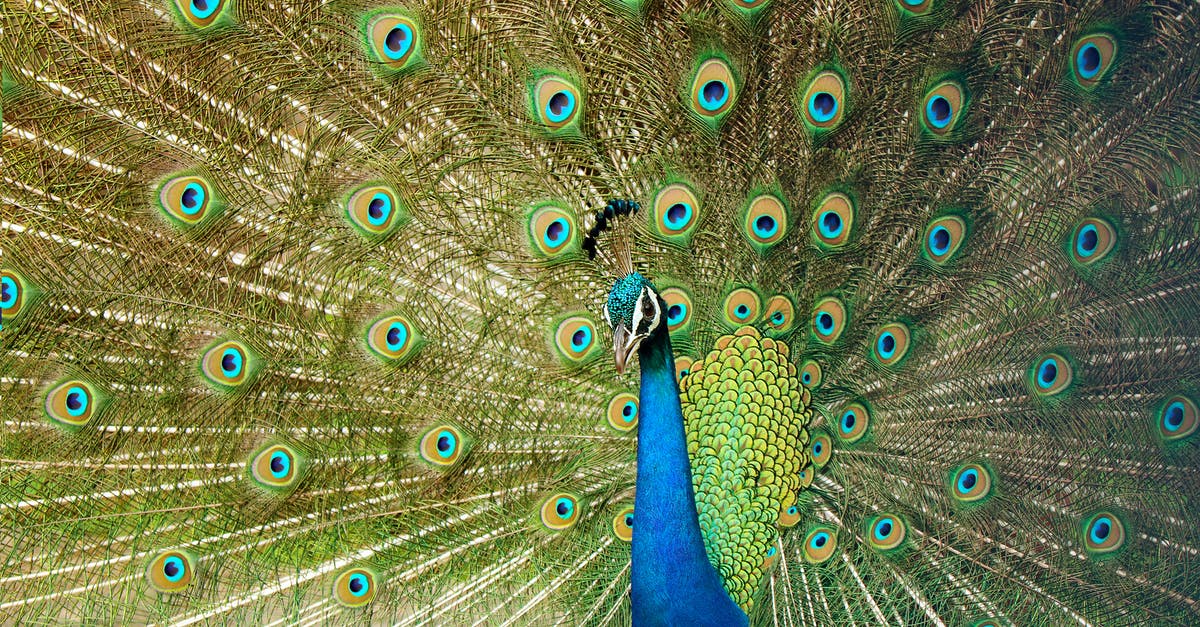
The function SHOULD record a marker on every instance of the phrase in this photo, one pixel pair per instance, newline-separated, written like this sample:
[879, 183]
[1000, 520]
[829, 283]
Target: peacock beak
[624, 345]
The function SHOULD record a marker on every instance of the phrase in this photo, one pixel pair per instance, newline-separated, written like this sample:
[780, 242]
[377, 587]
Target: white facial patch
[646, 311]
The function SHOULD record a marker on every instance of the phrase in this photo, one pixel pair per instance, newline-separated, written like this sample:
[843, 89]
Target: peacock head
[634, 311]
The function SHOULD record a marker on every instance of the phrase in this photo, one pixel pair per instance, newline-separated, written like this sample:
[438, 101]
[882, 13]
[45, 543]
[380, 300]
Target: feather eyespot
[551, 231]
[1051, 375]
[714, 90]
[443, 445]
[1178, 418]
[766, 221]
[822, 449]
[741, 307]
[187, 200]
[1091, 58]
[622, 413]
[970, 483]
[72, 403]
[886, 532]
[829, 319]
[943, 107]
[811, 374]
[676, 212]
[227, 364]
[833, 220]
[13, 294]
[200, 13]
[275, 467]
[853, 422]
[683, 367]
[1092, 241]
[780, 313]
[824, 101]
[575, 339]
[806, 478]
[1103, 533]
[355, 587]
[375, 210]
[560, 511]
[393, 339]
[943, 237]
[394, 41]
[915, 7]
[789, 516]
[171, 571]
[679, 308]
[891, 344]
[557, 103]
[622, 524]
[819, 545]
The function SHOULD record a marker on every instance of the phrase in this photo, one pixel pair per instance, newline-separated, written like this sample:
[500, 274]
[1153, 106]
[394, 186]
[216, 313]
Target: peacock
[598, 312]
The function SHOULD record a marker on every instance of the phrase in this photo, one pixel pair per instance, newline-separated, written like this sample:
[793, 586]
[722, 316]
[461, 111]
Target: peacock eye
[647, 305]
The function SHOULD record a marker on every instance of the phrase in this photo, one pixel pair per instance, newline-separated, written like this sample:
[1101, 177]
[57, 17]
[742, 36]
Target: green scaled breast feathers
[746, 417]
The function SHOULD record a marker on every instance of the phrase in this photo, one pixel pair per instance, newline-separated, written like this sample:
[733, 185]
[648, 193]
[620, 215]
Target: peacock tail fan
[299, 324]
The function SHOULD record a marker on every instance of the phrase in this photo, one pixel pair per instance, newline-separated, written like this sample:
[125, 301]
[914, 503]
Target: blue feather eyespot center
[683, 374]
[280, 464]
[806, 378]
[831, 224]
[1088, 60]
[173, 569]
[939, 240]
[1173, 418]
[939, 111]
[741, 312]
[379, 210]
[825, 323]
[1088, 240]
[848, 420]
[192, 199]
[560, 106]
[777, 317]
[713, 95]
[8, 293]
[1100, 529]
[817, 448]
[77, 401]
[557, 232]
[678, 215]
[397, 334]
[203, 8]
[628, 411]
[581, 338]
[886, 345]
[676, 313]
[822, 106]
[772, 551]
[819, 540]
[765, 226]
[883, 529]
[231, 362]
[968, 481]
[359, 585]
[563, 507]
[629, 520]
[446, 443]
[1047, 373]
[398, 42]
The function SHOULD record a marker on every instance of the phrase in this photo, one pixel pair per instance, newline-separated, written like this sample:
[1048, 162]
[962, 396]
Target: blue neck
[673, 581]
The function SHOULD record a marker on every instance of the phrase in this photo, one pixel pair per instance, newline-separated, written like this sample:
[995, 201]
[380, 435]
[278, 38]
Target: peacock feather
[546, 312]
